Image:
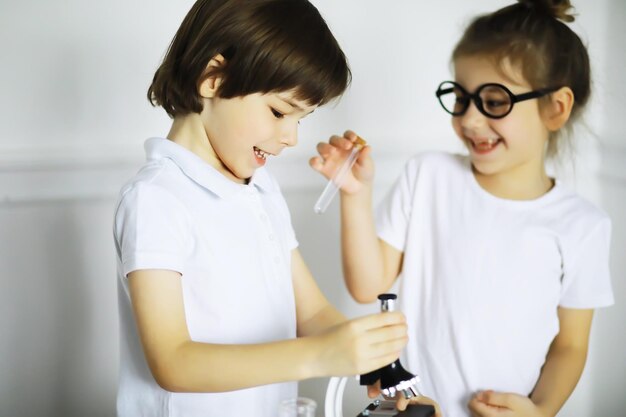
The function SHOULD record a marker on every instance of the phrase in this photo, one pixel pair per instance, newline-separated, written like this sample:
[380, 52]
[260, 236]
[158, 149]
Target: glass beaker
[297, 407]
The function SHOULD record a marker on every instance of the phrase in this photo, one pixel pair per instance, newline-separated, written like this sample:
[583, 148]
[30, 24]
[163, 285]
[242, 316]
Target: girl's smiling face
[512, 147]
[243, 132]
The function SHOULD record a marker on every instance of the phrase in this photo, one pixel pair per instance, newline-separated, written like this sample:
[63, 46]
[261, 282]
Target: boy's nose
[289, 136]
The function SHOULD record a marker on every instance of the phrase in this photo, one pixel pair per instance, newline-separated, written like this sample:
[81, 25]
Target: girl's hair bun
[559, 9]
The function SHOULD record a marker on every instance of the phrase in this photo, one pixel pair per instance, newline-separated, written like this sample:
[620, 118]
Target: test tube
[335, 182]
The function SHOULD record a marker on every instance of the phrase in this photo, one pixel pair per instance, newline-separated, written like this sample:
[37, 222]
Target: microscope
[394, 379]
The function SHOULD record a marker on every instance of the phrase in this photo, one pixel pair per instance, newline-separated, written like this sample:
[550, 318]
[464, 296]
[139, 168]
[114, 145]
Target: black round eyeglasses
[493, 100]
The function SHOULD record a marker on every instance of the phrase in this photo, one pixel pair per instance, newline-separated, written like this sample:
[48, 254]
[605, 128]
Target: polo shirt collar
[203, 173]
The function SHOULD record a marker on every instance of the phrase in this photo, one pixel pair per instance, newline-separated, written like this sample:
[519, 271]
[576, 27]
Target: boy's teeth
[260, 153]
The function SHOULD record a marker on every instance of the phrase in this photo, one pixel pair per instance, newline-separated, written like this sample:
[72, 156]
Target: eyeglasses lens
[495, 100]
[492, 100]
[452, 98]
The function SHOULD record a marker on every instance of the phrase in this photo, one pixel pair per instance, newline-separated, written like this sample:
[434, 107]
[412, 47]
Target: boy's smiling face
[243, 132]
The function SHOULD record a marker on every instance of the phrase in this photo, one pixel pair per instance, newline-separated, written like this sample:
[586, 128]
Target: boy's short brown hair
[268, 46]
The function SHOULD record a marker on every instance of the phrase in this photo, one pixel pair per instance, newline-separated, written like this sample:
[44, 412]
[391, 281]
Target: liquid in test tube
[334, 184]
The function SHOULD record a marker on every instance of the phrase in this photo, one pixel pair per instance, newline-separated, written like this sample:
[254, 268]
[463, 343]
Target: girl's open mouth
[485, 146]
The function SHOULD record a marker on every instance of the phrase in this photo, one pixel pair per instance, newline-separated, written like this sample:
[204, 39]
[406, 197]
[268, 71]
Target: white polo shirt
[232, 245]
[482, 277]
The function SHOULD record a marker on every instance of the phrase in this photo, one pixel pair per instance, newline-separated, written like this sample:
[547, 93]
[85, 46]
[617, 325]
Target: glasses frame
[478, 102]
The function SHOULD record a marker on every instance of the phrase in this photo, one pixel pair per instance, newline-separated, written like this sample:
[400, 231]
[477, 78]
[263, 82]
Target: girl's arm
[370, 265]
[565, 361]
[560, 373]
[180, 364]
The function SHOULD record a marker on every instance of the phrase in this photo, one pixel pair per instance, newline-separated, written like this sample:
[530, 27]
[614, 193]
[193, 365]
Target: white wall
[74, 116]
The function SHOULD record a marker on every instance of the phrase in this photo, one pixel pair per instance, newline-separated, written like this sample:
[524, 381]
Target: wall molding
[65, 172]
[69, 172]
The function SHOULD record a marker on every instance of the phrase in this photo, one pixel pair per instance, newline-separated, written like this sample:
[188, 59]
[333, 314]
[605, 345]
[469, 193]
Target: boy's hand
[374, 391]
[361, 345]
[335, 152]
[501, 404]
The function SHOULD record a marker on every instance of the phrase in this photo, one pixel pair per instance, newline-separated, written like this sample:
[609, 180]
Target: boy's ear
[209, 86]
[557, 110]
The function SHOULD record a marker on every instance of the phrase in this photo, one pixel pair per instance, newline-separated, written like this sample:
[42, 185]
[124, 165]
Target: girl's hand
[501, 404]
[374, 391]
[335, 152]
[362, 345]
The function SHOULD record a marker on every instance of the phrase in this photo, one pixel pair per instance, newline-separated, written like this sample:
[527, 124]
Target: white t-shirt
[482, 276]
[232, 245]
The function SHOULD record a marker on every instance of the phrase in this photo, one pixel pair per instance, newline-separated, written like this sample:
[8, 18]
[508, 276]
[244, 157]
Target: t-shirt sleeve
[394, 212]
[152, 230]
[586, 279]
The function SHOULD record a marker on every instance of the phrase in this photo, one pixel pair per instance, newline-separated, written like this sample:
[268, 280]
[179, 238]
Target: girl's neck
[519, 184]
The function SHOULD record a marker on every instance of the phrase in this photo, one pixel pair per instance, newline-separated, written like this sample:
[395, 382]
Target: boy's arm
[180, 364]
[565, 361]
[314, 313]
[560, 373]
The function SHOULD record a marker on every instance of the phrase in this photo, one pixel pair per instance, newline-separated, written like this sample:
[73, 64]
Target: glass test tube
[335, 182]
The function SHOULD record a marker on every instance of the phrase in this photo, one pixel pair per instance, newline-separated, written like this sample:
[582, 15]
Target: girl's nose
[472, 118]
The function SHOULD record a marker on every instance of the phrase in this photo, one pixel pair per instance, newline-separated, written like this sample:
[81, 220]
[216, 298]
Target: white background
[73, 118]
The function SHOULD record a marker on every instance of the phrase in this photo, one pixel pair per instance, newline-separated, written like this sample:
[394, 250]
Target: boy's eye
[276, 113]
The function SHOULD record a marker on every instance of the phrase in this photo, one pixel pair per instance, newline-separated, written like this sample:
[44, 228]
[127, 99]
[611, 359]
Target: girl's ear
[209, 86]
[556, 111]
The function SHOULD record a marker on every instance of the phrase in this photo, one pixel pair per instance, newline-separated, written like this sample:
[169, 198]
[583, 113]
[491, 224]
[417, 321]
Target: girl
[217, 307]
[502, 266]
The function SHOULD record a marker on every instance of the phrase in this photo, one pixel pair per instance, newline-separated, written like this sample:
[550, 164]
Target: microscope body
[388, 409]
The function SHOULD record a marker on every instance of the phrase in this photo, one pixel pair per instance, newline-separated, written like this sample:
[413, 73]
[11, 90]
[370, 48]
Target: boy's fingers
[384, 360]
[395, 334]
[374, 321]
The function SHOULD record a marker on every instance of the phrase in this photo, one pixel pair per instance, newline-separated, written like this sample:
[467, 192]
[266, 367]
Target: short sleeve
[152, 230]
[393, 214]
[586, 279]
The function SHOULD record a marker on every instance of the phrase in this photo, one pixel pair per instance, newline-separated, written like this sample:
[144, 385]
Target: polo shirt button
[271, 237]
